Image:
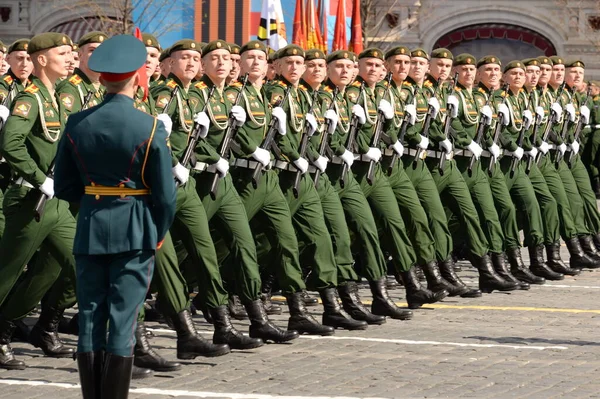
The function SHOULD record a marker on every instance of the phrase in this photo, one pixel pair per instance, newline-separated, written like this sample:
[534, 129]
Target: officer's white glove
[410, 112]
[386, 108]
[503, 110]
[398, 148]
[434, 104]
[374, 154]
[359, 112]
[279, 113]
[164, 118]
[48, 187]
[557, 110]
[527, 119]
[544, 147]
[446, 145]
[222, 167]
[321, 163]
[301, 164]
[562, 148]
[518, 153]
[533, 152]
[475, 149]
[261, 155]
[574, 147]
[570, 110]
[424, 143]
[495, 151]
[181, 173]
[4, 112]
[348, 158]
[333, 118]
[312, 124]
[239, 115]
[202, 119]
[539, 111]
[452, 103]
[486, 114]
[584, 111]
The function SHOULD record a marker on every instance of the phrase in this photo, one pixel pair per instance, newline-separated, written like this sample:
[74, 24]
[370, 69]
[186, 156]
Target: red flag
[299, 32]
[339, 34]
[356, 37]
[322, 11]
[314, 38]
[142, 71]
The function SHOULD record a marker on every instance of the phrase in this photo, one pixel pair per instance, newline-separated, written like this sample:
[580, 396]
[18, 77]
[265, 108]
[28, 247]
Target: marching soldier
[20, 70]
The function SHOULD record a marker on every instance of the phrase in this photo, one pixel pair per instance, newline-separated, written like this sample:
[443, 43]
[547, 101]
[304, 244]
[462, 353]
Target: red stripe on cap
[117, 77]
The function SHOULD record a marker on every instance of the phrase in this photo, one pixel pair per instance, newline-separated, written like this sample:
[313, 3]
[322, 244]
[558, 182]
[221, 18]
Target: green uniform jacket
[5, 83]
[339, 139]
[72, 92]
[368, 100]
[419, 96]
[464, 126]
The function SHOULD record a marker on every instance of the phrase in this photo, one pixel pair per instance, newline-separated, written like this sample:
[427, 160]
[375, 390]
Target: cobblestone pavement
[540, 343]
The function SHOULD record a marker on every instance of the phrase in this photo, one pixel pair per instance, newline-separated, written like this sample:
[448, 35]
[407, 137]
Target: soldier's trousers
[591, 152]
[547, 203]
[2, 218]
[590, 206]
[111, 289]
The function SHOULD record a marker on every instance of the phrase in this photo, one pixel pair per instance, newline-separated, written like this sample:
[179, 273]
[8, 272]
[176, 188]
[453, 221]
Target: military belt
[22, 182]
[248, 164]
[283, 165]
[204, 167]
[438, 154]
[120, 191]
[469, 153]
[337, 160]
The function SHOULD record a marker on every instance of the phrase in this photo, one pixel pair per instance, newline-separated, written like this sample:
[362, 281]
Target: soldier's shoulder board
[427, 83]
[171, 84]
[406, 84]
[32, 89]
[200, 85]
[236, 84]
[328, 89]
[302, 87]
[356, 83]
[75, 79]
[8, 79]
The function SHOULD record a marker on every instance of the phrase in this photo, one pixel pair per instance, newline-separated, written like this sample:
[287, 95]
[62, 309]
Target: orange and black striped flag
[272, 28]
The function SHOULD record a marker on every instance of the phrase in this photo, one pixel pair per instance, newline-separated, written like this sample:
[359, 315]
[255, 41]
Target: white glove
[584, 111]
[333, 118]
[518, 153]
[374, 154]
[321, 163]
[164, 118]
[475, 149]
[348, 158]
[398, 148]
[301, 164]
[562, 148]
[494, 150]
[202, 119]
[222, 167]
[410, 112]
[503, 110]
[281, 117]
[446, 145]
[539, 111]
[424, 143]
[312, 124]
[239, 115]
[574, 147]
[48, 187]
[570, 110]
[533, 152]
[261, 155]
[544, 147]
[557, 110]
[453, 101]
[435, 105]
[359, 112]
[527, 119]
[181, 173]
[386, 108]
[4, 112]
[486, 113]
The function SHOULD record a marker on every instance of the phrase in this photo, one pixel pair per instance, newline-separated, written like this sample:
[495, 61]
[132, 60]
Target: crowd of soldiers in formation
[301, 169]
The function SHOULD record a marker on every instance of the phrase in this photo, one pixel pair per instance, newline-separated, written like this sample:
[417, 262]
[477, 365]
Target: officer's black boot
[7, 357]
[587, 244]
[556, 263]
[308, 300]
[579, 259]
[302, 321]
[44, 334]
[116, 376]
[518, 268]
[225, 332]
[261, 327]
[489, 280]
[538, 266]
[90, 365]
[500, 267]
[146, 357]
[383, 304]
[236, 309]
[448, 272]
[352, 304]
[437, 283]
[334, 315]
[189, 343]
[22, 331]
[270, 307]
[596, 238]
[416, 294]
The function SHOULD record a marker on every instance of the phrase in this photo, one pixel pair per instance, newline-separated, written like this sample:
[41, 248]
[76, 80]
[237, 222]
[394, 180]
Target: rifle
[269, 140]
[497, 130]
[563, 133]
[403, 129]
[578, 128]
[552, 121]
[38, 210]
[427, 125]
[324, 138]
[536, 126]
[227, 139]
[515, 162]
[377, 136]
[304, 145]
[352, 136]
[447, 123]
[5, 99]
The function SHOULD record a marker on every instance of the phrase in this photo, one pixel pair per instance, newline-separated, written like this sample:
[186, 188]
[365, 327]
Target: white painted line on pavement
[588, 287]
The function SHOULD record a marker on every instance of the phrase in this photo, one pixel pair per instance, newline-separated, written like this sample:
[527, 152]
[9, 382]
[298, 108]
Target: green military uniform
[591, 141]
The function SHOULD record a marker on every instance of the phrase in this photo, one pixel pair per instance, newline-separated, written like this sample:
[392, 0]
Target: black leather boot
[302, 321]
[435, 281]
[307, 299]
[596, 238]
[334, 315]
[7, 357]
[139, 373]
[189, 343]
[587, 244]
[236, 309]
[518, 268]
[116, 376]
[225, 332]
[90, 365]
[579, 259]
[44, 334]
[448, 272]
[383, 304]
[22, 331]
[538, 266]
[146, 357]
[354, 307]
[270, 307]
[420, 274]
[416, 294]
[391, 283]
[489, 280]
[500, 267]
[261, 327]
[556, 263]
